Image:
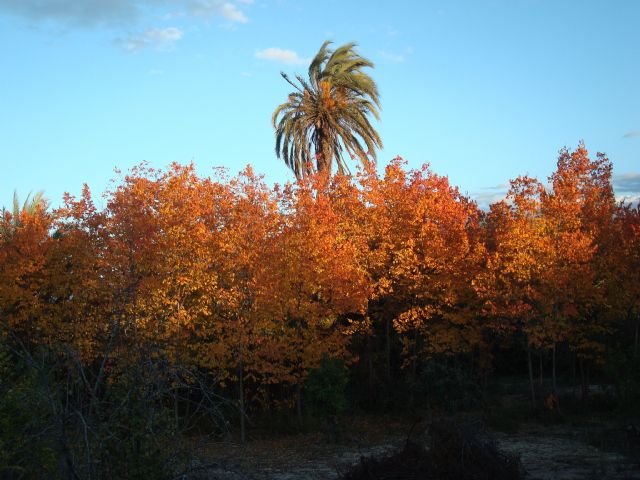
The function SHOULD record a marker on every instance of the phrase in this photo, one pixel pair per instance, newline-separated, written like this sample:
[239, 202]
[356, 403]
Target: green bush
[26, 451]
[58, 421]
[623, 368]
[325, 388]
[445, 387]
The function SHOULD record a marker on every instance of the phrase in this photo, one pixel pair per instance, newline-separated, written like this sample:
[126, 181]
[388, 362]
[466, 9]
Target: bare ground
[561, 452]
[549, 452]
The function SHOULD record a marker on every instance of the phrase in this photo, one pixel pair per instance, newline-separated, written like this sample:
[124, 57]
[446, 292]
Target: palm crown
[10, 220]
[327, 115]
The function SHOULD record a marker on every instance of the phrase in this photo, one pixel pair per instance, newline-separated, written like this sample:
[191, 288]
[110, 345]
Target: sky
[482, 90]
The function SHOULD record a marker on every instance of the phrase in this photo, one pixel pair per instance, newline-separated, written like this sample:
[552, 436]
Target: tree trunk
[573, 375]
[635, 343]
[554, 386]
[324, 155]
[529, 364]
[388, 349]
[243, 432]
[541, 372]
[370, 365]
[583, 382]
[299, 405]
[176, 411]
[471, 364]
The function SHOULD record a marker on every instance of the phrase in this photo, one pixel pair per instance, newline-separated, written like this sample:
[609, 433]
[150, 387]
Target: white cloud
[627, 182]
[125, 16]
[288, 57]
[74, 12]
[629, 199]
[170, 34]
[394, 57]
[172, 15]
[231, 12]
[627, 187]
[490, 195]
[161, 39]
[89, 13]
[210, 8]
[632, 134]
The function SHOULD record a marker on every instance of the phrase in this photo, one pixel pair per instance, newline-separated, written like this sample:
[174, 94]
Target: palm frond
[327, 115]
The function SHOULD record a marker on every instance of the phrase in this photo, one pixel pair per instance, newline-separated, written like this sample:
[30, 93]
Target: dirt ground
[562, 453]
[549, 452]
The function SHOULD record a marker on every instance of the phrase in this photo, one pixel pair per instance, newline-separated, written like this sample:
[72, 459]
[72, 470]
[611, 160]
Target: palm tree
[327, 115]
[10, 220]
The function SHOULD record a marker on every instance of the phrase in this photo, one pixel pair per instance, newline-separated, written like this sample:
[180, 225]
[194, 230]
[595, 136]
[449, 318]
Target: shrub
[25, 450]
[623, 368]
[446, 387]
[325, 388]
[63, 418]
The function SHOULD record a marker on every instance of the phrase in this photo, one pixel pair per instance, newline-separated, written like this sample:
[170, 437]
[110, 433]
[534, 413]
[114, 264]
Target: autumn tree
[391, 271]
[433, 267]
[626, 293]
[24, 246]
[312, 284]
[579, 209]
[519, 255]
[420, 256]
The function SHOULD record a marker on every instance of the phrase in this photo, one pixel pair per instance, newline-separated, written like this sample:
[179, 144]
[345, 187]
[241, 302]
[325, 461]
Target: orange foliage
[243, 279]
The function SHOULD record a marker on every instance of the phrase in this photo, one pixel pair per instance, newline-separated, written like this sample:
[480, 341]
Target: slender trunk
[485, 378]
[388, 349]
[299, 405]
[573, 376]
[553, 368]
[529, 364]
[243, 433]
[583, 381]
[541, 372]
[187, 407]
[370, 364]
[635, 343]
[481, 368]
[471, 364]
[176, 411]
[414, 369]
[175, 408]
[554, 386]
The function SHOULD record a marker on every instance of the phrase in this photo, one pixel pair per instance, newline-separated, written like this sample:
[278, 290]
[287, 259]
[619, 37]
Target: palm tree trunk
[324, 155]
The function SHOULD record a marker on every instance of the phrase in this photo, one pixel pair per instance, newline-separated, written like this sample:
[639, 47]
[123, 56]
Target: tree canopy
[325, 120]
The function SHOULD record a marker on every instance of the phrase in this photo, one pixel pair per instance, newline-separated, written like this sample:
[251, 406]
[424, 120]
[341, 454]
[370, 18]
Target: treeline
[391, 273]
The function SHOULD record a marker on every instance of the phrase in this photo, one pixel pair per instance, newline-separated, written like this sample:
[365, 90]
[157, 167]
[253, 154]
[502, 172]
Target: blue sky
[484, 90]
